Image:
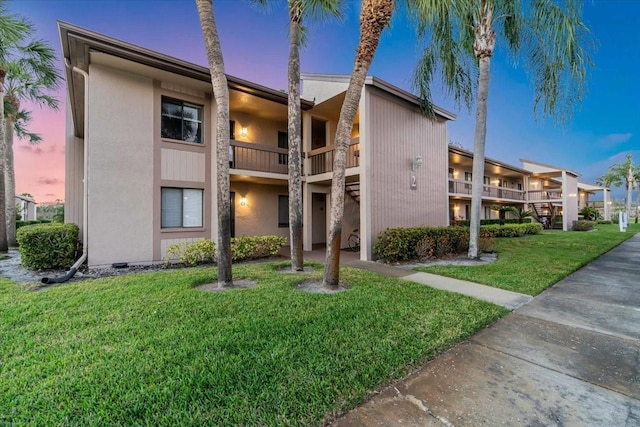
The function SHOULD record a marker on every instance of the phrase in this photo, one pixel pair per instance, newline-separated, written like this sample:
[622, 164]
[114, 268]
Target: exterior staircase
[353, 189]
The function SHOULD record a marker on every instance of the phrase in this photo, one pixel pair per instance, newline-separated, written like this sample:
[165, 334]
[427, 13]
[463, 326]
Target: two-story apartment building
[553, 194]
[25, 207]
[140, 162]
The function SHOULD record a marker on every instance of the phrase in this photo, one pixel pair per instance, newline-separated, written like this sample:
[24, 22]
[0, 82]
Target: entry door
[232, 213]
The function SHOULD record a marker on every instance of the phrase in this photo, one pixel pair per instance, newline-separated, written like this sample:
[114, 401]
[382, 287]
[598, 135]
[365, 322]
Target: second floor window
[181, 121]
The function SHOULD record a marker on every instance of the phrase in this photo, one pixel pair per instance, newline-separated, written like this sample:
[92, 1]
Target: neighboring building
[553, 194]
[140, 129]
[25, 207]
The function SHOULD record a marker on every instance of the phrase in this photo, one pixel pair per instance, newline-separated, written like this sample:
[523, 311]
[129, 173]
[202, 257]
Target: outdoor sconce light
[243, 132]
[417, 162]
[243, 201]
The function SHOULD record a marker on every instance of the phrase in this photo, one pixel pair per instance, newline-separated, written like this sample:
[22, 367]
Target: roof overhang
[78, 43]
[380, 84]
[487, 160]
[543, 169]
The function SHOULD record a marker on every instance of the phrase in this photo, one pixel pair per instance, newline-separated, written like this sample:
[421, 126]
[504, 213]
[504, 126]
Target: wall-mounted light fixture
[572, 194]
[243, 132]
[416, 163]
[243, 201]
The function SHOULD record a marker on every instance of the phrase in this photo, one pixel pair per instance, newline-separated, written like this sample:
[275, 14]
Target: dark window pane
[171, 128]
[171, 207]
[181, 121]
[283, 211]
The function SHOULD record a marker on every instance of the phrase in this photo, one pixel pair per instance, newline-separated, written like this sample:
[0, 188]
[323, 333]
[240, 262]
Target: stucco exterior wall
[259, 131]
[396, 133]
[73, 175]
[260, 215]
[120, 167]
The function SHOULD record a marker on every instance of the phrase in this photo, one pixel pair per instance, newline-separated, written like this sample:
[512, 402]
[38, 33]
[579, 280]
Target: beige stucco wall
[260, 215]
[73, 174]
[120, 167]
[259, 131]
[396, 133]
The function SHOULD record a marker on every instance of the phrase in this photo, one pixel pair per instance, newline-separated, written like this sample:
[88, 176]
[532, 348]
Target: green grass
[149, 349]
[531, 264]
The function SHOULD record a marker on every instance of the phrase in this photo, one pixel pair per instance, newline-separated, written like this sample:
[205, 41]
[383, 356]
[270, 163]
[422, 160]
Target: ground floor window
[283, 211]
[181, 207]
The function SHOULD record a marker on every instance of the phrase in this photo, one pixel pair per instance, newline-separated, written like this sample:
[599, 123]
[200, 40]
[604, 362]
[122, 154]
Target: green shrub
[403, 244]
[48, 245]
[191, 253]
[603, 221]
[254, 247]
[486, 244]
[242, 249]
[20, 224]
[582, 225]
[467, 223]
[510, 230]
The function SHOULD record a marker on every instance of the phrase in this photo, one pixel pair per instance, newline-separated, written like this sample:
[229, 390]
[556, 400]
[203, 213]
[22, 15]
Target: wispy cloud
[31, 149]
[43, 180]
[614, 139]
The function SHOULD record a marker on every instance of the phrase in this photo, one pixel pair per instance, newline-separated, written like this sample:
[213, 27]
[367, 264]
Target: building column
[606, 200]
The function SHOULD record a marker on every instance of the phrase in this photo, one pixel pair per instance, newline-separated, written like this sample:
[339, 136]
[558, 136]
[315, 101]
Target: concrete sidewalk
[571, 356]
[508, 299]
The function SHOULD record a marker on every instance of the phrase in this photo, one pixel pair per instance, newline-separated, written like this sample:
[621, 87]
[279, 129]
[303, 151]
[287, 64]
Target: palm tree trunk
[374, 17]
[221, 95]
[3, 223]
[483, 45]
[10, 184]
[295, 180]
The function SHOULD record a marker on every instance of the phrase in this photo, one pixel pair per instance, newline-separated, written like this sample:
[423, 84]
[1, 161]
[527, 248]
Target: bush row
[510, 230]
[31, 222]
[404, 244]
[242, 249]
[44, 246]
[467, 223]
[582, 225]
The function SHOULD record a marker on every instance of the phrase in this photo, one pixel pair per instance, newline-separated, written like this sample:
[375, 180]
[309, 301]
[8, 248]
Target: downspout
[85, 184]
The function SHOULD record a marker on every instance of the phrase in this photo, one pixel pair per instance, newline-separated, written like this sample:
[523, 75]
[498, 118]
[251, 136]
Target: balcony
[464, 187]
[321, 159]
[257, 157]
[535, 195]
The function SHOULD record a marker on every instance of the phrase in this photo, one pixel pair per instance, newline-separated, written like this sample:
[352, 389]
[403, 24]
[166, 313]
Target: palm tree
[552, 39]
[374, 17]
[619, 173]
[298, 9]
[13, 31]
[221, 95]
[31, 85]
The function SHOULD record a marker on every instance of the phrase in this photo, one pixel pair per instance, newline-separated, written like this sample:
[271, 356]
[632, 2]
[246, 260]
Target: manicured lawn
[531, 264]
[149, 349]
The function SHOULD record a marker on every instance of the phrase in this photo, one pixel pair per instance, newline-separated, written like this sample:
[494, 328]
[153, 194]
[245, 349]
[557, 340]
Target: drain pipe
[85, 206]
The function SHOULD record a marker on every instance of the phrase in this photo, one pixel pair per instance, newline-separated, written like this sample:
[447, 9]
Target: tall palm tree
[620, 173]
[298, 10]
[32, 85]
[375, 15]
[552, 41]
[14, 30]
[221, 95]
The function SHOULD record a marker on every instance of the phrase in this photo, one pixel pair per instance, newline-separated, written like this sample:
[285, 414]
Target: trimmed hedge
[467, 223]
[242, 249]
[510, 230]
[405, 244]
[45, 246]
[31, 222]
[582, 225]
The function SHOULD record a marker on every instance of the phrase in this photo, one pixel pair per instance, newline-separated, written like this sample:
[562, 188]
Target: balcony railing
[258, 157]
[321, 159]
[545, 195]
[464, 187]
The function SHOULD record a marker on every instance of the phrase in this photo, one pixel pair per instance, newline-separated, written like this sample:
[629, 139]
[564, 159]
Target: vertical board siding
[399, 133]
[178, 165]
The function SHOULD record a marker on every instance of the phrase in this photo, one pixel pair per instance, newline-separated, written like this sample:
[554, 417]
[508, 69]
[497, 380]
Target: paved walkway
[571, 356]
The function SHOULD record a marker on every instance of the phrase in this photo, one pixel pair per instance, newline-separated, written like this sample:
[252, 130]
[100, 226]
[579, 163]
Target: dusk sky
[604, 128]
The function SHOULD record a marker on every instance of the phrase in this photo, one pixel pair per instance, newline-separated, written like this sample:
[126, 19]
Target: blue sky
[604, 128]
